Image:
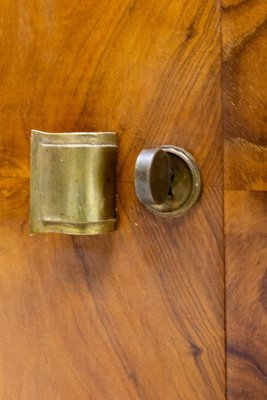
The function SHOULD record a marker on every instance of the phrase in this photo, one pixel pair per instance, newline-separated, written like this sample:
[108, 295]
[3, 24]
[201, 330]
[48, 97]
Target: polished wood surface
[150, 72]
[246, 294]
[244, 43]
[244, 40]
[138, 313]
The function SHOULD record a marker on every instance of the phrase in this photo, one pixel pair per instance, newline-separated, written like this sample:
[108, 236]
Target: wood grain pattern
[246, 294]
[139, 313]
[244, 39]
[136, 314]
[141, 70]
[245, 173]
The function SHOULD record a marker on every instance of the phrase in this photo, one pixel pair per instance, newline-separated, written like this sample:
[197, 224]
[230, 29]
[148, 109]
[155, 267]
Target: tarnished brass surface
[177, 183]
[152, 176]
[73, 182]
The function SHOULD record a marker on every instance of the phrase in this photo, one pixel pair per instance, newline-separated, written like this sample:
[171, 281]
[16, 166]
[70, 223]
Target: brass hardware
[153, 176]
[167, 180]
[73, 179]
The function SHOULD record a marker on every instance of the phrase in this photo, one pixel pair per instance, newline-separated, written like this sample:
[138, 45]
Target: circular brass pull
[167, 180]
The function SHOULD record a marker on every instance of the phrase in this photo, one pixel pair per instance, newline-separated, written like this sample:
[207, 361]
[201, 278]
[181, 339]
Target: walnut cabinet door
[136, 314]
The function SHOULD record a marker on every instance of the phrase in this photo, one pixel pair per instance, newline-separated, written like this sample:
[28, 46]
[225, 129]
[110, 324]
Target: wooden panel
[245, 168]
[136, 314]
[139, 313]
[245, 93]
[149, 71]
[246, 294]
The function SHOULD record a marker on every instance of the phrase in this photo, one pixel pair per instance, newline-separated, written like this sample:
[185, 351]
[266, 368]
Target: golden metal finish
[73, 180]
[180, 176]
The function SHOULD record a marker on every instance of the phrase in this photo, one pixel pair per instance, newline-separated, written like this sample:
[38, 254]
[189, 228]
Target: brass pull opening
[177, 181]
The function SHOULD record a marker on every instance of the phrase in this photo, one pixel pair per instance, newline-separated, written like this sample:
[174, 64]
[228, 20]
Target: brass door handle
[167, 180]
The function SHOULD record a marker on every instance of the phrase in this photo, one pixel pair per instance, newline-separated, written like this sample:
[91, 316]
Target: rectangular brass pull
[73, 182]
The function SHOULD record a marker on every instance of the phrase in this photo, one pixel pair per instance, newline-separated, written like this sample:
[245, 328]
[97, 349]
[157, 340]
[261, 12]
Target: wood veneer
[139, 313]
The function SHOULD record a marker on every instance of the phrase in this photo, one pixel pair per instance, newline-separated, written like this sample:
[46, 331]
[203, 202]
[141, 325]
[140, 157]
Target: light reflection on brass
[73, 182]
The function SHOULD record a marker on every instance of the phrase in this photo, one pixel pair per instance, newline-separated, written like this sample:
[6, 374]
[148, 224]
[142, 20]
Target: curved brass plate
[73, 179]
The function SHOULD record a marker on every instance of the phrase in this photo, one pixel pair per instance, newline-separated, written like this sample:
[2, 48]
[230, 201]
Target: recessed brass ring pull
[167, 180]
